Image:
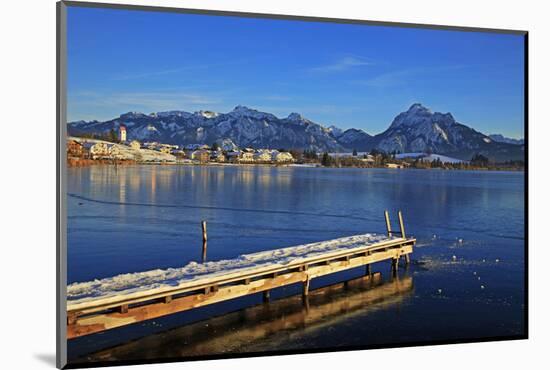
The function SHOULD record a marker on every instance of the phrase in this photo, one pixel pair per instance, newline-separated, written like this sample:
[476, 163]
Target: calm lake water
[136, 218]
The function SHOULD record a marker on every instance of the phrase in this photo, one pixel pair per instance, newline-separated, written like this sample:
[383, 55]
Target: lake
[466, 279]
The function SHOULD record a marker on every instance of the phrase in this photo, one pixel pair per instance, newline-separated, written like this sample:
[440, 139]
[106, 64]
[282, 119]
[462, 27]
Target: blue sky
[334, 74]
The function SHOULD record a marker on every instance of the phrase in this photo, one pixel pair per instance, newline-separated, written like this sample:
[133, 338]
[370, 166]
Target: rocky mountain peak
[243, 109]
[417, 108]
[295, 117]
[132, 115]
[421, 117]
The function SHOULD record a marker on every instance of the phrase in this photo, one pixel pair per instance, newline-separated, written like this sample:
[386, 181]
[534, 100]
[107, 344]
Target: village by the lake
[114, 148]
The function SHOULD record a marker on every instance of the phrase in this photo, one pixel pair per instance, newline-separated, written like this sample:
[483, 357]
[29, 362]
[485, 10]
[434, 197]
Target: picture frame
[62, 190]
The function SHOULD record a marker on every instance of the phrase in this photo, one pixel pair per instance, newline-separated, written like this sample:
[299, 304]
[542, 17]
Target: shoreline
[77, 162]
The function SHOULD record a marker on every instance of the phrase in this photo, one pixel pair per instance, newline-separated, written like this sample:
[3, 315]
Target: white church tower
[122, 133]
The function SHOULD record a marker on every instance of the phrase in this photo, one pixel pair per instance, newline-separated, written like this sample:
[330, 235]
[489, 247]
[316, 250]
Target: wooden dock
[236, 331]
[93, 316]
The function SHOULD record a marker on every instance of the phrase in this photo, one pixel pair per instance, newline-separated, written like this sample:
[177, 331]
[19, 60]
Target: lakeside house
[100, 150]
[135, 144]
[281, 157]
[76, 149]
[397, 165]
[246, 157]
[262, 156]
[201, 155]
[218, 156]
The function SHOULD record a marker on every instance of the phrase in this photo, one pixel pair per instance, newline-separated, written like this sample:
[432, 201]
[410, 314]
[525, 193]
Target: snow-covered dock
[108, 303]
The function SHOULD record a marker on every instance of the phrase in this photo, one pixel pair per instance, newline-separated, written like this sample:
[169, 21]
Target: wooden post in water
[402, 228]
[204, 240]
[401, 224]
[266, 296]
[394, 266]
[388, 224]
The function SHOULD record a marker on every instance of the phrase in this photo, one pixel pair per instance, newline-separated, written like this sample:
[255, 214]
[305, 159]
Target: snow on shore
[172, 277]
[430, 157]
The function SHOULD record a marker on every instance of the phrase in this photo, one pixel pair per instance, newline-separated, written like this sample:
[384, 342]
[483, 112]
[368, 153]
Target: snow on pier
[173, 277]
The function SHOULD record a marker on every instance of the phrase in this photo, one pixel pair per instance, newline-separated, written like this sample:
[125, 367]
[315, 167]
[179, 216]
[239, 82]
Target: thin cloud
[155, 73]
[399, 77]
[168, 71]
[343, 64]
[92, 103]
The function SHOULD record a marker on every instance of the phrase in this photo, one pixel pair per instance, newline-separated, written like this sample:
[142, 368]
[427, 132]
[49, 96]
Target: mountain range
[416, 130]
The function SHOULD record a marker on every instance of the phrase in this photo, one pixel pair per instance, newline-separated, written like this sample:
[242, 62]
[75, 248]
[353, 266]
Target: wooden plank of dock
[112, 312]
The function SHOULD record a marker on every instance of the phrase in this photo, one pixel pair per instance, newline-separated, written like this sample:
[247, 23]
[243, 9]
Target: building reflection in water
[235, 332]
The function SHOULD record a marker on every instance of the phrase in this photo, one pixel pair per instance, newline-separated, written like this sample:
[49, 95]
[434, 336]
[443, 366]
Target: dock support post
[266, 296]
[401, 224]
[204, 240]
[305, 288]
[305, 301]
[368, 269]
[388, 224]
[394, 265]
[71, 318]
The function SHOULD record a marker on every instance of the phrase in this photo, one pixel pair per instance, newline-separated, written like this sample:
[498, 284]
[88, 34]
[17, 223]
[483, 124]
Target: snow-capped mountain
[335, 131]
[243, 126]
[421, 130]
[416, 130]
[502, 139]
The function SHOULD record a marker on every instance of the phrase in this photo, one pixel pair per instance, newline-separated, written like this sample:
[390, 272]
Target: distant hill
[502, 139]
[416, 130]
